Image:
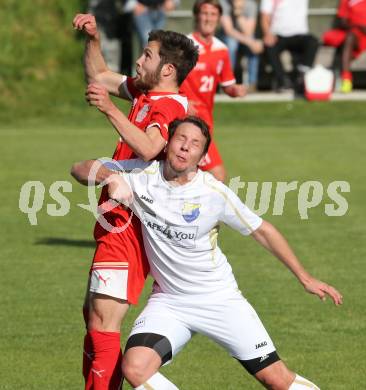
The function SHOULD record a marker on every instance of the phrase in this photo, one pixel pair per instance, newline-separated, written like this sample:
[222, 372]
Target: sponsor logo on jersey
[219, 66]
[141, 115]
[260, 345]
[145, 198]
[190, 211]
[201, 66]
[183, 236]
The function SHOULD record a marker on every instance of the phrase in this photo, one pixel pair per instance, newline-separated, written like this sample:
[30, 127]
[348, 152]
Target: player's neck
[206, 39]
[165, 85]
[165, 88]
[176, 178]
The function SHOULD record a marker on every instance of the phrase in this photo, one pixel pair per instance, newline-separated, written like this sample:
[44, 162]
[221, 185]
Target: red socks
[102, 361]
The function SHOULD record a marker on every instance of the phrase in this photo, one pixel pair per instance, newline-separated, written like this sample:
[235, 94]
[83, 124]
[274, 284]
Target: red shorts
[122, 251]
[212, 158]
[336, 37]
[361, 42]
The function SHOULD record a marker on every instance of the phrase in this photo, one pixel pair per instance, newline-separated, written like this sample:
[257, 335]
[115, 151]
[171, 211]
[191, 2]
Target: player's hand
[86, 23]
[321, 289]
[118, 189]
[98, 96]
[169, 5]
[236, 90]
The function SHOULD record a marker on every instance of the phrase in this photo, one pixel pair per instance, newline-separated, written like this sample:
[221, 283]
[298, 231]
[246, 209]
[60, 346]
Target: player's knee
[133, 368]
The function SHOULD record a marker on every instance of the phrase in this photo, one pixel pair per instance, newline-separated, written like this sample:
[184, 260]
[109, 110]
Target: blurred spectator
[213, 68]
[150, 15]
[285, 27]
[352, 15]
[238, 22]
[115, 26]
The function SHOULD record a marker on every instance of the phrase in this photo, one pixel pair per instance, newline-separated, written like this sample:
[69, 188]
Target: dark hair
[198, 122]
[199, 3]
[176, 49]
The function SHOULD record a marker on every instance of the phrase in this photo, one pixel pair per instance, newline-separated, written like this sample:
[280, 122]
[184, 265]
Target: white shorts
[109, 282]
[230, 322]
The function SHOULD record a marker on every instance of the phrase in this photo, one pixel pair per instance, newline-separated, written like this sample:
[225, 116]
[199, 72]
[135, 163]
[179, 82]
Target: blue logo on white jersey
[191, 211]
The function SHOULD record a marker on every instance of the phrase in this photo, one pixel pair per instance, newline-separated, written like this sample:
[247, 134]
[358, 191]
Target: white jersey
[180, 228]
[288, 17]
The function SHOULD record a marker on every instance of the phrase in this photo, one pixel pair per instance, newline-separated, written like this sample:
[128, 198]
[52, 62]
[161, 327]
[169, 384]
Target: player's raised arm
[95, 68]
[271, 239]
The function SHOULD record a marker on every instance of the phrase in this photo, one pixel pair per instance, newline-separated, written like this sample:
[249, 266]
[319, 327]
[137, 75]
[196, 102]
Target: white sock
[301, 383]
[157, 382]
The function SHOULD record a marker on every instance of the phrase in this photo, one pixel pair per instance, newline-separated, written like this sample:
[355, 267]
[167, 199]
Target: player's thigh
[106, 312]
[158, 319]
[237, 327]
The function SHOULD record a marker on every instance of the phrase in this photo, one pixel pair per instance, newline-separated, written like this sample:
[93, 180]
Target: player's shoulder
[171, 101]
[218, 45]
[216, 188]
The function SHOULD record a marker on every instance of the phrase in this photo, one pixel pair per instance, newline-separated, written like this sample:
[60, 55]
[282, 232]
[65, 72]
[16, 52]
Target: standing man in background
[352, 15]
[119, 267]
[213, 68]
[285, 27]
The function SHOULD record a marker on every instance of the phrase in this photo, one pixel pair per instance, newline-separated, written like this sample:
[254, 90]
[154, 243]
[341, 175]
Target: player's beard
[149, 81]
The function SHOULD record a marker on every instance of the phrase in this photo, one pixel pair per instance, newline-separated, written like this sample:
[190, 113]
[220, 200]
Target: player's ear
[202, 160]
[168, 70]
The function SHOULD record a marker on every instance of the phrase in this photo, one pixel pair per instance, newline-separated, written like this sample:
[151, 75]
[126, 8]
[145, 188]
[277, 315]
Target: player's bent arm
[146, 145]
[90, 172]
[271, 239]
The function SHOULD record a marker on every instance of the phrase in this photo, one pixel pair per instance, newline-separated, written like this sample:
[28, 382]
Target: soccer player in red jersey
[352, 14]
[213, 67]
[119, 265]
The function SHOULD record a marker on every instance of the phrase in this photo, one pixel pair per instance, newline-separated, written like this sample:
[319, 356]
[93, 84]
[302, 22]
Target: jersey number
[207, 83]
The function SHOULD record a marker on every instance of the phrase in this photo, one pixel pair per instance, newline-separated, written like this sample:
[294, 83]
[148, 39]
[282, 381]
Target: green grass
[44, 267]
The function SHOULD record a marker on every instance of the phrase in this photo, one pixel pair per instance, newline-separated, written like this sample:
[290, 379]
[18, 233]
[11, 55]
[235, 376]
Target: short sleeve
[165, 111]
[267, 6]
[129, 88]
[236, 214]
[226, 76]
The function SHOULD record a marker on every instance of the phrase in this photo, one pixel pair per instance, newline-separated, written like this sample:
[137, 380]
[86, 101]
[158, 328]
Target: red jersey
[148, 110]
[117, 232]
[353, 10]
[213, 67]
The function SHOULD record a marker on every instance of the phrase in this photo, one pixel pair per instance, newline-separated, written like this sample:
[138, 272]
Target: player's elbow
[78, 172]
[149, 152]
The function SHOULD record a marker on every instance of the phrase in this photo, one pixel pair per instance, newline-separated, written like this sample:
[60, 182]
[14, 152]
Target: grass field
[44, 267]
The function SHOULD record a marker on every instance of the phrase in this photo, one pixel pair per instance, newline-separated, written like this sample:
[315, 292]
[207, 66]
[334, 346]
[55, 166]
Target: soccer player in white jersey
[195, 290]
